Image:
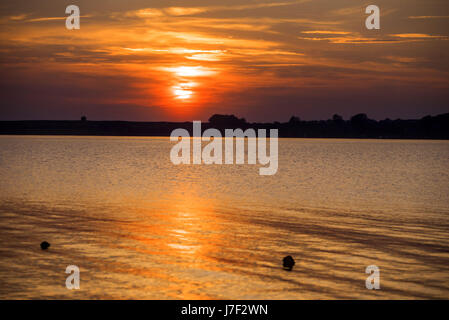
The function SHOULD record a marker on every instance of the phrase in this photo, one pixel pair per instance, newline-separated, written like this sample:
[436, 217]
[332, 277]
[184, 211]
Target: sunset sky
[263, 60]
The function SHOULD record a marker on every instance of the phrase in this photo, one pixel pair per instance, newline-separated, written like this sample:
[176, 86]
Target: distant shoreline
[358, 127]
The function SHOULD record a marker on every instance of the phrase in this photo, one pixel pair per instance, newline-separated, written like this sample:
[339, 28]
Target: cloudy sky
[186, 60]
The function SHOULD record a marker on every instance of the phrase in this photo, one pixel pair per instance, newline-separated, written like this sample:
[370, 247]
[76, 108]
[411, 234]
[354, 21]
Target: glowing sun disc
[190, 71]
[181, 92]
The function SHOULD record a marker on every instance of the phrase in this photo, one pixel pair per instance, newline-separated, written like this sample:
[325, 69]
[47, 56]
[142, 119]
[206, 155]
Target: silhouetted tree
[360, 118]
[228, 121]
[359, 123]
[294, 120]
[337, 118]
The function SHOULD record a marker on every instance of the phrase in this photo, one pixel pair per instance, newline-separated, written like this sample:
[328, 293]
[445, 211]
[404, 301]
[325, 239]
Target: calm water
[139, 227]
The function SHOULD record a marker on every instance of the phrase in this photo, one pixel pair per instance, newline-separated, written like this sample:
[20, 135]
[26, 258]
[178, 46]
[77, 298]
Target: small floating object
[288, 262]
[45, 245]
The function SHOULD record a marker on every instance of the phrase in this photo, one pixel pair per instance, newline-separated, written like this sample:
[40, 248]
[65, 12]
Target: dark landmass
[359, 126]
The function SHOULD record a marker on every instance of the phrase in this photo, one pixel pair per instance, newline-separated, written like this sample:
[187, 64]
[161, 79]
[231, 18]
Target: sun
[183, 90]
[183, 85]
[181, 93]
[190, 71]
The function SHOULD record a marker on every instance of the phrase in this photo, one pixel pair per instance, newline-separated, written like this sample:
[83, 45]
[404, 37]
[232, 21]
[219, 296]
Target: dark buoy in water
[288, 262]
[45, 245]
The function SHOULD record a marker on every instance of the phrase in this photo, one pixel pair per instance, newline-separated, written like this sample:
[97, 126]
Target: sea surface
[139, 227]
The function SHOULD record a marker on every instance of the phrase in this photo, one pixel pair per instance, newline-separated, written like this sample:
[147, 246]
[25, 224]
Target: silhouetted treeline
[358, 126]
